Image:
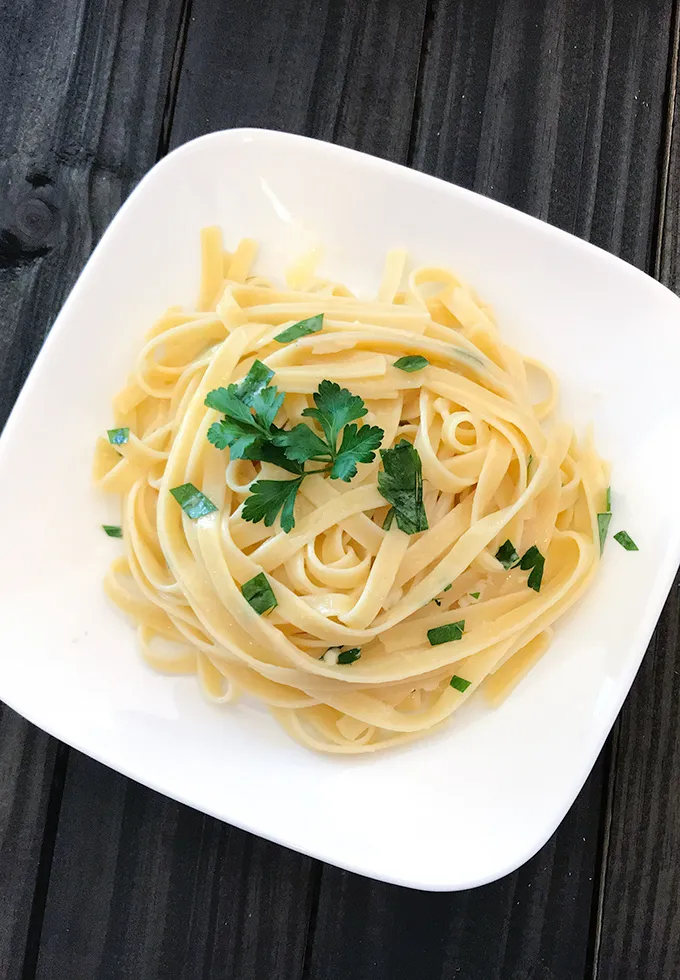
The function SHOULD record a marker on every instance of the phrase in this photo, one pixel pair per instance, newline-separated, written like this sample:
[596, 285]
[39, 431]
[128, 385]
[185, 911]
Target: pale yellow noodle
[494, 470]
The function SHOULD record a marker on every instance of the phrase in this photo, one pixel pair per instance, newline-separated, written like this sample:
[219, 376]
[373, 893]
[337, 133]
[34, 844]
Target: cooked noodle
[493, 472]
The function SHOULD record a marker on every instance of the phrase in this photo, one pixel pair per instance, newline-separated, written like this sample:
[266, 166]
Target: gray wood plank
[80, 120]
[555, 107]
[27, 769]
[336, 70]
[142, 886]
[639, 923]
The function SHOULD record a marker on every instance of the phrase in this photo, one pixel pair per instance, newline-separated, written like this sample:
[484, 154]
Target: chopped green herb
[604, 518]
[444, 634]
[446, 589]
[625, 540]
[349, 656]
[255, 382]
[530, 460]
[194, 503]
[117, 437]
[507, 555]
[335, 408]
[437, 602]
[536, 574]
[113, 530]
[459, 683]
[411, 363]
[389, 517]
[267, 498]
[401, 484]
[258, 594]
[475, 595]
[603, 522]
[302, 328]
[267, 452]
[358, 445]
[533, 559]
[342, 657]
[248, 430]
[249, 408]
[530, 557]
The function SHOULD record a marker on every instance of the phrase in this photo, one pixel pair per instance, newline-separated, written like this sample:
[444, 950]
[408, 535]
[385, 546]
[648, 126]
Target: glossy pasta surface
[379, 631]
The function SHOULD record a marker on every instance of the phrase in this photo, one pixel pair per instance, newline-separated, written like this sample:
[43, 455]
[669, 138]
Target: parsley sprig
[336, 411]
[249, 432]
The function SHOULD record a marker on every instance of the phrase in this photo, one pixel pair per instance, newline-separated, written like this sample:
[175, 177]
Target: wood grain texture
[80, 87]
[638, 933]
[339, 70]
[27, 766]
[144, 887]
[639, 922]
[554, 107]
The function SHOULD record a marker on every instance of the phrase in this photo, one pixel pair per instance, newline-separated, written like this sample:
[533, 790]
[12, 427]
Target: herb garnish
[444, 634]
[507, 555]
[248, 430]
[437, 602]
[389, 517]
[534, 560]
[117, 437]
[249, 408]
[349, 656]
[113, 530]
[625, 540]
[475, 595]
[194, 503]
[411, 363]
[267, 498]
[335, 408]
[302, 328]
[344, 656]
[603, 522]
[604, 518]
[258, 594]
[459, 683]
[401, 484]
[531, 559]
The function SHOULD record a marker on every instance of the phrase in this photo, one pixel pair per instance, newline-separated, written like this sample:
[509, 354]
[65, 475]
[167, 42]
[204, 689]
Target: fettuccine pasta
[437, 531]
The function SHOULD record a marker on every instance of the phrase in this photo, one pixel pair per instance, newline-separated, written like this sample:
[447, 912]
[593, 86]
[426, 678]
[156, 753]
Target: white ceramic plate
[463, 807]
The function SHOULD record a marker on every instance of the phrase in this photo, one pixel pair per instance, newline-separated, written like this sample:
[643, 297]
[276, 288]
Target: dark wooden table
[563, 108]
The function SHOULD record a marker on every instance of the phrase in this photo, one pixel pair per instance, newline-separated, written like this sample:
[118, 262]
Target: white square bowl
[472, 803]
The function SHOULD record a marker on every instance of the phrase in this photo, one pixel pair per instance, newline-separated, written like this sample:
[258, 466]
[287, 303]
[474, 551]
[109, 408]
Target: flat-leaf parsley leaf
[401, 484]
[267, 498]
[302, 328]
[411, 363]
